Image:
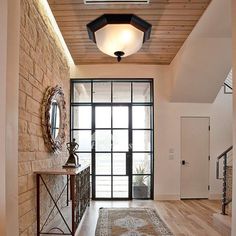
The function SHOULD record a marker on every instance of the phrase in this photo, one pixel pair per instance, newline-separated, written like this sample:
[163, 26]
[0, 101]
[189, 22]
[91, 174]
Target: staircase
[224, 172]
[228, 84]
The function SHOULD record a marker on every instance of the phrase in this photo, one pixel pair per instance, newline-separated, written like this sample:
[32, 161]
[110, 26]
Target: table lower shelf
[57, 222]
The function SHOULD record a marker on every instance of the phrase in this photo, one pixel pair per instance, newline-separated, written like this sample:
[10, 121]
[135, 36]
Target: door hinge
[209, 158]
[209, 127]
[209, 187]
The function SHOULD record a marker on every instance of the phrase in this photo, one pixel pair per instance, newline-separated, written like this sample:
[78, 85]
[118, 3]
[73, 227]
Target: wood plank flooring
[184, 218]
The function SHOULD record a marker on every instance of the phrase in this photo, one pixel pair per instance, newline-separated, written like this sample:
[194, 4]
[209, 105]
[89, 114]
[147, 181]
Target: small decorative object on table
[73, 160]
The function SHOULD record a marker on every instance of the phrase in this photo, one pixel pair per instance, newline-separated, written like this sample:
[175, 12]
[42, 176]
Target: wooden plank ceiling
[172, 22]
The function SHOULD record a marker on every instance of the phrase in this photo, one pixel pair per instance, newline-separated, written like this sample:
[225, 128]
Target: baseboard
[177, 197]
[215, 196]
[167, 197]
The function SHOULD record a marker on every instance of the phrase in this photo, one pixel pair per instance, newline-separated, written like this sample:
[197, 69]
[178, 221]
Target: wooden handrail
[225, 152]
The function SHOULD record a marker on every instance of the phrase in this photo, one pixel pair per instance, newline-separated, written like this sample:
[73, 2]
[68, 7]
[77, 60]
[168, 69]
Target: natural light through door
[112, 120]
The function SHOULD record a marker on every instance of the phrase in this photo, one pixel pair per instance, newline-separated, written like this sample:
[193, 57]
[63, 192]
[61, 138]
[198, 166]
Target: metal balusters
[82, 193]
[224, 199]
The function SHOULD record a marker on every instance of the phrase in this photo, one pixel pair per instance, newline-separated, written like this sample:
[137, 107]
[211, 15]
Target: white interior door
[194, 157]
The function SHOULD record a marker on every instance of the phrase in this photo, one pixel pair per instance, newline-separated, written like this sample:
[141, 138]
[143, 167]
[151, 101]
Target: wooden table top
[61, 170]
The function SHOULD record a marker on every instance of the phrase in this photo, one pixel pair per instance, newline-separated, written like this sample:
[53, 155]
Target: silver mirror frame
[54, 93]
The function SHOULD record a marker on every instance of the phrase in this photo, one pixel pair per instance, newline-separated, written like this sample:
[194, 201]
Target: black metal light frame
[107, 19]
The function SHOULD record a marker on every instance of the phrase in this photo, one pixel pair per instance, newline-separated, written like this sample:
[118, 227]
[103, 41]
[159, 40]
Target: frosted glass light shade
[119, 37]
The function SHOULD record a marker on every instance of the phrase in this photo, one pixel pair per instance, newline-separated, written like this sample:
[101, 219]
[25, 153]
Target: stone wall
[42, 64]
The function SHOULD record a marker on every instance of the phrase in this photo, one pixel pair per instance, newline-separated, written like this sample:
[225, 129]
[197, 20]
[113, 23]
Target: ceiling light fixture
[119, 35]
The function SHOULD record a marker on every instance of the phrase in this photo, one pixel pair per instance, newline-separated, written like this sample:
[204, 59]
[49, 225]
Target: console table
[78, 184]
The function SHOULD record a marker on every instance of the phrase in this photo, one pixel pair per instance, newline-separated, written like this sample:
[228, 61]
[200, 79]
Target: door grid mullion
[130, 173]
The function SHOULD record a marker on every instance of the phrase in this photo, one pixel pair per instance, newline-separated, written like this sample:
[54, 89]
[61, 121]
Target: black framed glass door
[112, 121]
[111, 145]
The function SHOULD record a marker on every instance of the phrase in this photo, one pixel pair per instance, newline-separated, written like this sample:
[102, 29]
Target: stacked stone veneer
[42, 64]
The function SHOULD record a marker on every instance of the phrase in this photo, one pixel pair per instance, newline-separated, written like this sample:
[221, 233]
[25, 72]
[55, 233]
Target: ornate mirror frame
[54, 94]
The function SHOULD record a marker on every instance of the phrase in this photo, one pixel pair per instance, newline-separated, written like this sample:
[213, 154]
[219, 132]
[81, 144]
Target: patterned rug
[130, 222]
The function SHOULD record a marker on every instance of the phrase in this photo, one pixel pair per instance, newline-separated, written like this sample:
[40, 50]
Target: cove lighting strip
[48, 11]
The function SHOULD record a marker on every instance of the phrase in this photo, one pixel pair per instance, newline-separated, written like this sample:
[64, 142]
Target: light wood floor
[188, 217]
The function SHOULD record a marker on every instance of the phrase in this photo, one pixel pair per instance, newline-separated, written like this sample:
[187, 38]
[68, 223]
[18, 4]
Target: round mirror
[54, 118]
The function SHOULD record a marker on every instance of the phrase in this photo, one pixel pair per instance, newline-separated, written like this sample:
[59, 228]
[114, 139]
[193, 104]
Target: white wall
[12, 80]
[9, 71]
[205, 57]
[233, 9]
[167, 123]
[221, 133]
[3, 62]
[168, 128]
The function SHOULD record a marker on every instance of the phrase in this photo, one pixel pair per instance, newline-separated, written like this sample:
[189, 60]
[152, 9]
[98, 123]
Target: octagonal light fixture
[119, 35]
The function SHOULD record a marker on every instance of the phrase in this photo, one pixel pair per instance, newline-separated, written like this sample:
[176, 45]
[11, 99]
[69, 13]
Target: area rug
[130, 222]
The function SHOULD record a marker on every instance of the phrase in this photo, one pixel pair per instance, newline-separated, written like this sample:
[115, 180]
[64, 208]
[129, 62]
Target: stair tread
[224, 219]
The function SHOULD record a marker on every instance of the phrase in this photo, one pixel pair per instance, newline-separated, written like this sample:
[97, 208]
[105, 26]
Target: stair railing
[228, 84]
[228, 88]
[225, 157]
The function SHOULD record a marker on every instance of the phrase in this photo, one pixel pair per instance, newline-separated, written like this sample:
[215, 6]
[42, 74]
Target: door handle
[128, 163]
[183, 162]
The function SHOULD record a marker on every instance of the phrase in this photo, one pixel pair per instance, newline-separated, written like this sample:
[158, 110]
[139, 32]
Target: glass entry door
[112, 120]
[111, 151]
